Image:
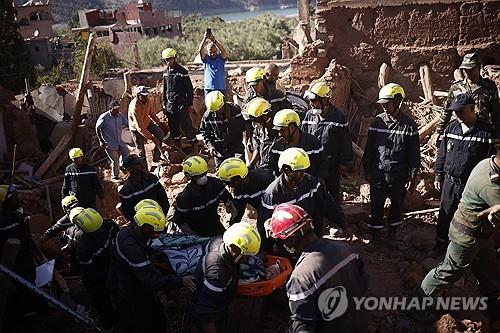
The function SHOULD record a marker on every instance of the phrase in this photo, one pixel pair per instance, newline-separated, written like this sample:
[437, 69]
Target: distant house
[35, 26]
[122, 28]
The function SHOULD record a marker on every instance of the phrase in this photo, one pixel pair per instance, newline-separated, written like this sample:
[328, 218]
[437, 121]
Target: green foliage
[258, 38]
[103, 59]
[74, 21]
[15, 63]
[58, 74]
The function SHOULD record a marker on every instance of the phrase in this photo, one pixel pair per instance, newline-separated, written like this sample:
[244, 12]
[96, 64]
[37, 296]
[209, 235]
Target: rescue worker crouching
[217, 276]
[67, 204]
[90, 242]
[287, 123]
[248, 185]
[196, 206]
[135, 281]
[260, 114]
[330, 125]
[140, 184]
[391, 161]
[177, 99]
[258, 86]
[295, 186]
[466, 142]
[81, 180]
[324, 266]
[222, 127]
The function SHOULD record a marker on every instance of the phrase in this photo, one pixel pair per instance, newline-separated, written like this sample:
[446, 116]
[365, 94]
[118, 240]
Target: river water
[240, 16]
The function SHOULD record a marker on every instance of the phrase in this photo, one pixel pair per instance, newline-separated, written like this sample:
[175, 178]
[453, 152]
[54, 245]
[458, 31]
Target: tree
[103, 58]
[15, 63]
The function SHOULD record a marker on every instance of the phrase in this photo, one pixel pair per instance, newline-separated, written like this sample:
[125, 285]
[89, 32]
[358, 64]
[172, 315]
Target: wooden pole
[383, 75]
[13, 163]
[69, 137]
[357, 150]
[137, 60]
[9, 255]
[426, 80]
[428, 128]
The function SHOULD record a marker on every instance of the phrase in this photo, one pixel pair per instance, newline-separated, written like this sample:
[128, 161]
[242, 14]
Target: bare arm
[201, 50]
[223, 52]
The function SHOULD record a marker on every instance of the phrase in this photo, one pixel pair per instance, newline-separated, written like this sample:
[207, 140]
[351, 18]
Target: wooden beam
[68, 138]
[357, 150]
[428, 128]
[438, 93]
[426, 80]
[383, 75]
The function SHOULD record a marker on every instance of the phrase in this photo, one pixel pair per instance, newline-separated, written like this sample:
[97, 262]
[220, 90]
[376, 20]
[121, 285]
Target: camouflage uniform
[485, 93]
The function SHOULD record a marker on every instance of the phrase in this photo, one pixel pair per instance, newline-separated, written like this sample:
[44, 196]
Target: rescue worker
[196, 206]
[217, 276]
[67, 204]
[177, 99]
[144, 124]
[326, 268]
[471, 239]
[109, 127]
[258, 86]
[222, 128]
[287, 123]
[483, 90]
[90, 242]
[213, 64]
[81, 180]
[272, 77]
[260, 114]
[140, 185]
[330, 125]
[248, 185]
[391, 161]
[14, 224]
[296, 186]
[134, 279]
[466, 141]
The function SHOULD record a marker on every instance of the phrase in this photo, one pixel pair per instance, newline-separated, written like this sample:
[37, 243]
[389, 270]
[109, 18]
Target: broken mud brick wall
[362, 35]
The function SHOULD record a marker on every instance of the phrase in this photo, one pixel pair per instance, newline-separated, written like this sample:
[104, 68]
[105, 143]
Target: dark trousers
[392, 187]
[178, 119]
[142, 313]
[139, 141]
[101, 301]
[451, 192]
[333, 183]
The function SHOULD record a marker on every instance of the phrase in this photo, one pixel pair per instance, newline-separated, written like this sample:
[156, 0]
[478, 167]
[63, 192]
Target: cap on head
[296, 158]
[244, 236]
[284, 118]
[168, 53]
[114, 105]
[142, 90]
[460, 101]
[214, 100]
[258, 107]
[317, 89]
[194, 166]
[75, 153]
[232, 167]
[254, 75]
[389, 92]
[131, 160]
[470, 61]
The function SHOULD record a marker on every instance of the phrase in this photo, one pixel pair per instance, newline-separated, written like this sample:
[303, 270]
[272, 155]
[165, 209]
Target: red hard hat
[286, 220]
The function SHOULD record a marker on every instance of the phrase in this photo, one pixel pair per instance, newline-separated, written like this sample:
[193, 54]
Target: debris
[429, 263]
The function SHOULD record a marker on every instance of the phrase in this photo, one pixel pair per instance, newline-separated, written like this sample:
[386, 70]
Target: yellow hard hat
[254, 74]
[168, 53]
[69, 202]
[152, 216]
[257, 107]
[150, 203]
[389, 92]
[195, 166]
[214, 100]
[285, 117]
[295, 158]
[75, 153]
[244, 236]
[232, 167]
[88, 219]
[318, 89]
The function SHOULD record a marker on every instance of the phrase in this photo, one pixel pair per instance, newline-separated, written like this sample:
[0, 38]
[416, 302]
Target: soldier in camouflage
[483, 90]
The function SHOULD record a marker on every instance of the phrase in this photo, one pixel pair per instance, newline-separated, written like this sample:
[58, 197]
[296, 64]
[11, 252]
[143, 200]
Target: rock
[446, 324]
[411, 280]
[420, 244]
[39, 223]
[429, 263]
[364, 192]
[179, 178]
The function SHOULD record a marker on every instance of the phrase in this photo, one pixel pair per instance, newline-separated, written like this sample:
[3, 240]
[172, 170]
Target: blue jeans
[116, 156]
